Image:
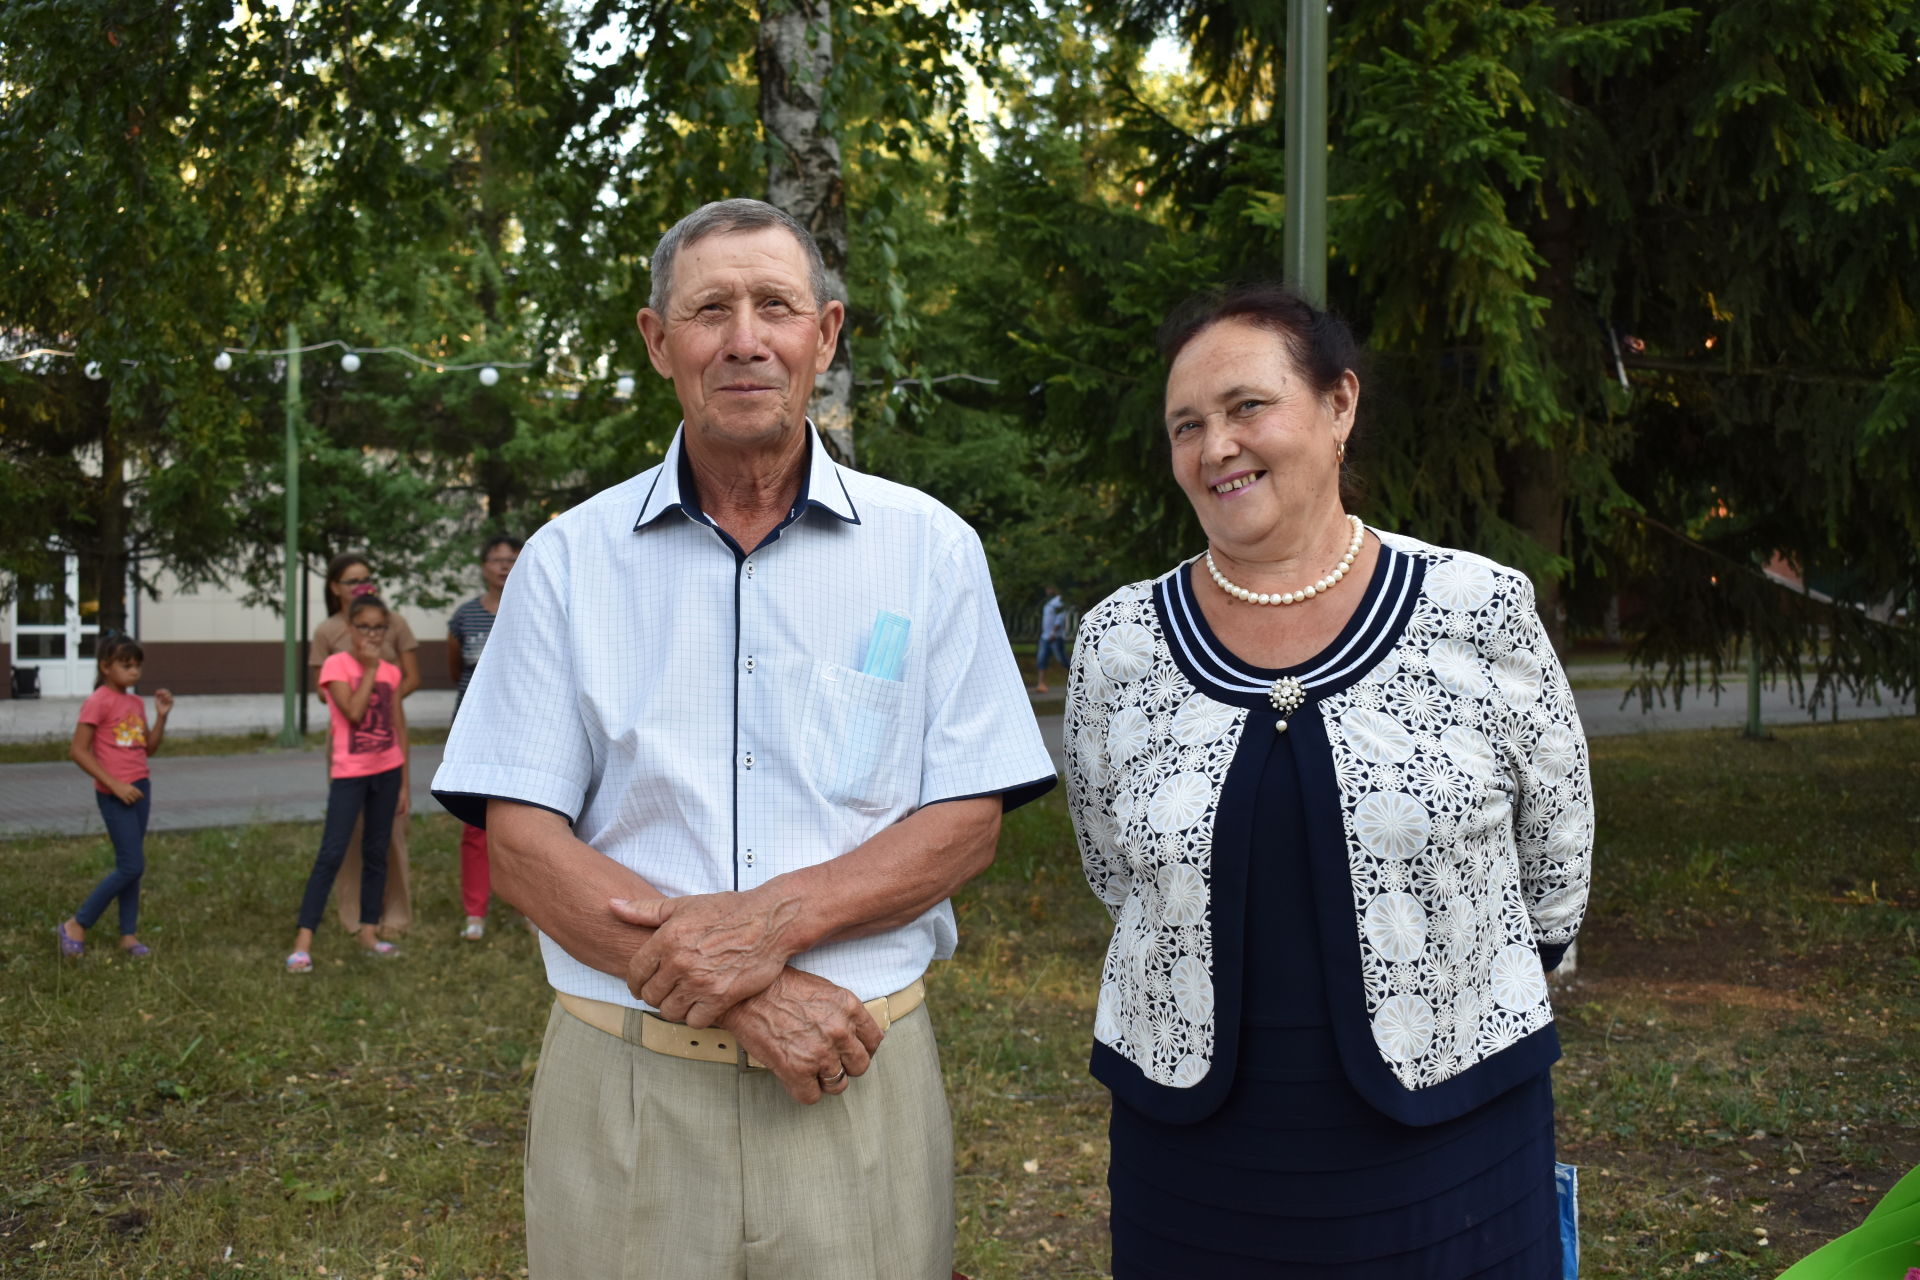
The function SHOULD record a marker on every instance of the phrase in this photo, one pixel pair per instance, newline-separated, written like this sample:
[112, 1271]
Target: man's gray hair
[724, 217]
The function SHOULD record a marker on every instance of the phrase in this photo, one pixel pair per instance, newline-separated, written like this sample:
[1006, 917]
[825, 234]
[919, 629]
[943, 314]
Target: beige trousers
[640, 1166]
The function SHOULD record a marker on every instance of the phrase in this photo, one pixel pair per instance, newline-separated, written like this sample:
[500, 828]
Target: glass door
[56, 627]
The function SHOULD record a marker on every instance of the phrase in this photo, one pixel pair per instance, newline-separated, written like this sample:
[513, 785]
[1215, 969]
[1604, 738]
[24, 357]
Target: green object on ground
[1878, 1248]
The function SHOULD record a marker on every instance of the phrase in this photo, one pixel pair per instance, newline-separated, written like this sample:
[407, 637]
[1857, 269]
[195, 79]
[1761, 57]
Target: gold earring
[1340, 450]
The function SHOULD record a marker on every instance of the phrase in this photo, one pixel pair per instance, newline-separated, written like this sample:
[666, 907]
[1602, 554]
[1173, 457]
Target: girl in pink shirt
[369, 771]
[112, 743]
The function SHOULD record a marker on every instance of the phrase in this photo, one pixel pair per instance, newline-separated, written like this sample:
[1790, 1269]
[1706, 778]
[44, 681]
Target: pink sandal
[299, 962]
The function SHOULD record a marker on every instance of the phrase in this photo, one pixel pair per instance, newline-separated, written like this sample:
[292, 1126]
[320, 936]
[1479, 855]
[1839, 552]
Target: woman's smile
[1236, 482]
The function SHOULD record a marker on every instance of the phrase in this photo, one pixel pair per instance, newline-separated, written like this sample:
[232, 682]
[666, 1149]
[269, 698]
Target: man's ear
[654, 329]
[832, 316]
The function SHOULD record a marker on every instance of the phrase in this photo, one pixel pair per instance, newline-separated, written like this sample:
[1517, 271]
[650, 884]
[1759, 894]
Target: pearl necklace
[1325, 584]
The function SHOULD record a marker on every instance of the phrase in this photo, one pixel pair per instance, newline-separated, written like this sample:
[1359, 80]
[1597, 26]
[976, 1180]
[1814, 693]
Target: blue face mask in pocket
[887, 648]
[856, 724]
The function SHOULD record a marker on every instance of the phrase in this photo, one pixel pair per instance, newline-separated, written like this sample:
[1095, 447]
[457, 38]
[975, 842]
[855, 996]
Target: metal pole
[1754, 728]
[290, 671]
[306, 629]
[1306, 97]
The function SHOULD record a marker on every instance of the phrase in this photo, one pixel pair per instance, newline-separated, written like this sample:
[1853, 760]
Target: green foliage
[1635, 278]
[125, 202]
[1619, 268]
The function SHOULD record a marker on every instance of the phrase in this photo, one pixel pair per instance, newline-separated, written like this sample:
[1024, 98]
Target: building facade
[199, 640]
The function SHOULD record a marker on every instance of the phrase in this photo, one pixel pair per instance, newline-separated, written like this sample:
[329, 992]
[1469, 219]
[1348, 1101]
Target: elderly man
[745, 723]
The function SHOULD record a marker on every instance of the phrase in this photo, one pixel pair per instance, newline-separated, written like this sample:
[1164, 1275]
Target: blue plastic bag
[1566, 1184]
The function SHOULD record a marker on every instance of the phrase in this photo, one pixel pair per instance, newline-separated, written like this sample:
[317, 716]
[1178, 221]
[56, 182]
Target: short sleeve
[981, 736]
[322, 646]
[94, 710]
[337, 666]
[403, 638]
[519, 735]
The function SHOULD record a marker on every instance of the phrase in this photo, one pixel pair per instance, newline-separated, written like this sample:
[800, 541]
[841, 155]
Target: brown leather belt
[710, 1044]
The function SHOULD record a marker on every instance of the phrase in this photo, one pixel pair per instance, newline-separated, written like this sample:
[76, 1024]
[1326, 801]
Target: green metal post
[290, 672]
[1306, 96]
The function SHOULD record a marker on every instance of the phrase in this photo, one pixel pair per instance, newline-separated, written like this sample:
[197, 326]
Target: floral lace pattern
[1146, 758]
[1464, 796]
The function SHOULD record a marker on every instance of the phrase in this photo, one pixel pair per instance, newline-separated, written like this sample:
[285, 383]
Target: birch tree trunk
[795, 56]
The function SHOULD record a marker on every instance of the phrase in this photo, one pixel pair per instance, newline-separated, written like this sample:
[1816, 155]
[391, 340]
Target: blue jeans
[127, 828]
[376, 795]
[1054, 645]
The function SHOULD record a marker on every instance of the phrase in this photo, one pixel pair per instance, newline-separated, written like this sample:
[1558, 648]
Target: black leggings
[376, 795]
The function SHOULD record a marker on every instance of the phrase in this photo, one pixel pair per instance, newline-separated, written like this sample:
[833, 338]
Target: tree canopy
[1635, 277]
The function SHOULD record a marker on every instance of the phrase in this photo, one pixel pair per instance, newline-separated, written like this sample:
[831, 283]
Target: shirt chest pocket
[858, 748]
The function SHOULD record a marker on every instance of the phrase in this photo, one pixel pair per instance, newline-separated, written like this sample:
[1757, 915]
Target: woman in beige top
[349, 575]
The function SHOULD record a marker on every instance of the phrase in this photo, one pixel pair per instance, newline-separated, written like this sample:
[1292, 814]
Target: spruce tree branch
[1721, 369]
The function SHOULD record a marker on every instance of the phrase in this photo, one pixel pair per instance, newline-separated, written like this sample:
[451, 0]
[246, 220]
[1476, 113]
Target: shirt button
[749, 760]
[749, 666]
[749, 568]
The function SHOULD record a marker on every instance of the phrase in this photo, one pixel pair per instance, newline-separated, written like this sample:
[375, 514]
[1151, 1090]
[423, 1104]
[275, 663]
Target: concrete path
[34, 719]
[282, 786]
[189, 792]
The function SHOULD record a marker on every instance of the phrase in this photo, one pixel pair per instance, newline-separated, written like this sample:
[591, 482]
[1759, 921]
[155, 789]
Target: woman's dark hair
[117, 646]
[337, 566]
[500, 540]
[1321, 345]
[1318, 341]
[362, 604]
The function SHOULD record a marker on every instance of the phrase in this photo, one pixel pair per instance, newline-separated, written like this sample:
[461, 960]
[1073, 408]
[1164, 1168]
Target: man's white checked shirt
[701, 717]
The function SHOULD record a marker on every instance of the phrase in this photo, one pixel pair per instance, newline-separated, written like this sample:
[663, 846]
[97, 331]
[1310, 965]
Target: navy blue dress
[1296, 1174]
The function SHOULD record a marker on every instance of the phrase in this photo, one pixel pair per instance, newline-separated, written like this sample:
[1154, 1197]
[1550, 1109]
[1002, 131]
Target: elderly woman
[1331, 785]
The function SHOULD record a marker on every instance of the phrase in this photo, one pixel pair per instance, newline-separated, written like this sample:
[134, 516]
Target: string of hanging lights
[350, 361]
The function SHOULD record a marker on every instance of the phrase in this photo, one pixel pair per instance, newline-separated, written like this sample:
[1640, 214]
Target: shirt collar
[824, 485]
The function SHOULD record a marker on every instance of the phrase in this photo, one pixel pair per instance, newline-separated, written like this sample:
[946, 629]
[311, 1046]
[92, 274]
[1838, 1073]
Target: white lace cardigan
[1463, 803]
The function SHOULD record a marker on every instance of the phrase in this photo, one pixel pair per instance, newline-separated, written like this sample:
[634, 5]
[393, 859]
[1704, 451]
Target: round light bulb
[92, 370]
[624, 385]
[223, 362]
[350, 362]
[489, 376]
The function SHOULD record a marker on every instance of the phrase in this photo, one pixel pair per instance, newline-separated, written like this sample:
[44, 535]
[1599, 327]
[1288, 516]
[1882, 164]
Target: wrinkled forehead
[1225, 357]
[760, 260]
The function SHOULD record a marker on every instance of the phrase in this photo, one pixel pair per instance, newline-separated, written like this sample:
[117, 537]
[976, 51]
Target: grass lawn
[1742, 1042]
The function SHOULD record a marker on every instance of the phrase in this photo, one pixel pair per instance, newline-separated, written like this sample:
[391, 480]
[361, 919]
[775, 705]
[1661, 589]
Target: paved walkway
[290, 785]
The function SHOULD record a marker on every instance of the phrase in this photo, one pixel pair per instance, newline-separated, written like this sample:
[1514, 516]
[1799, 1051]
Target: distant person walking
[467, 633]
[111, 743]
[1053, 637]
[350, 576]
[367, 761]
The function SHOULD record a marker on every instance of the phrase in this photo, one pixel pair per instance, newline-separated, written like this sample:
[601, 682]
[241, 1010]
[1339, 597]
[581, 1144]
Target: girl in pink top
[369, 771]
[112, 743]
